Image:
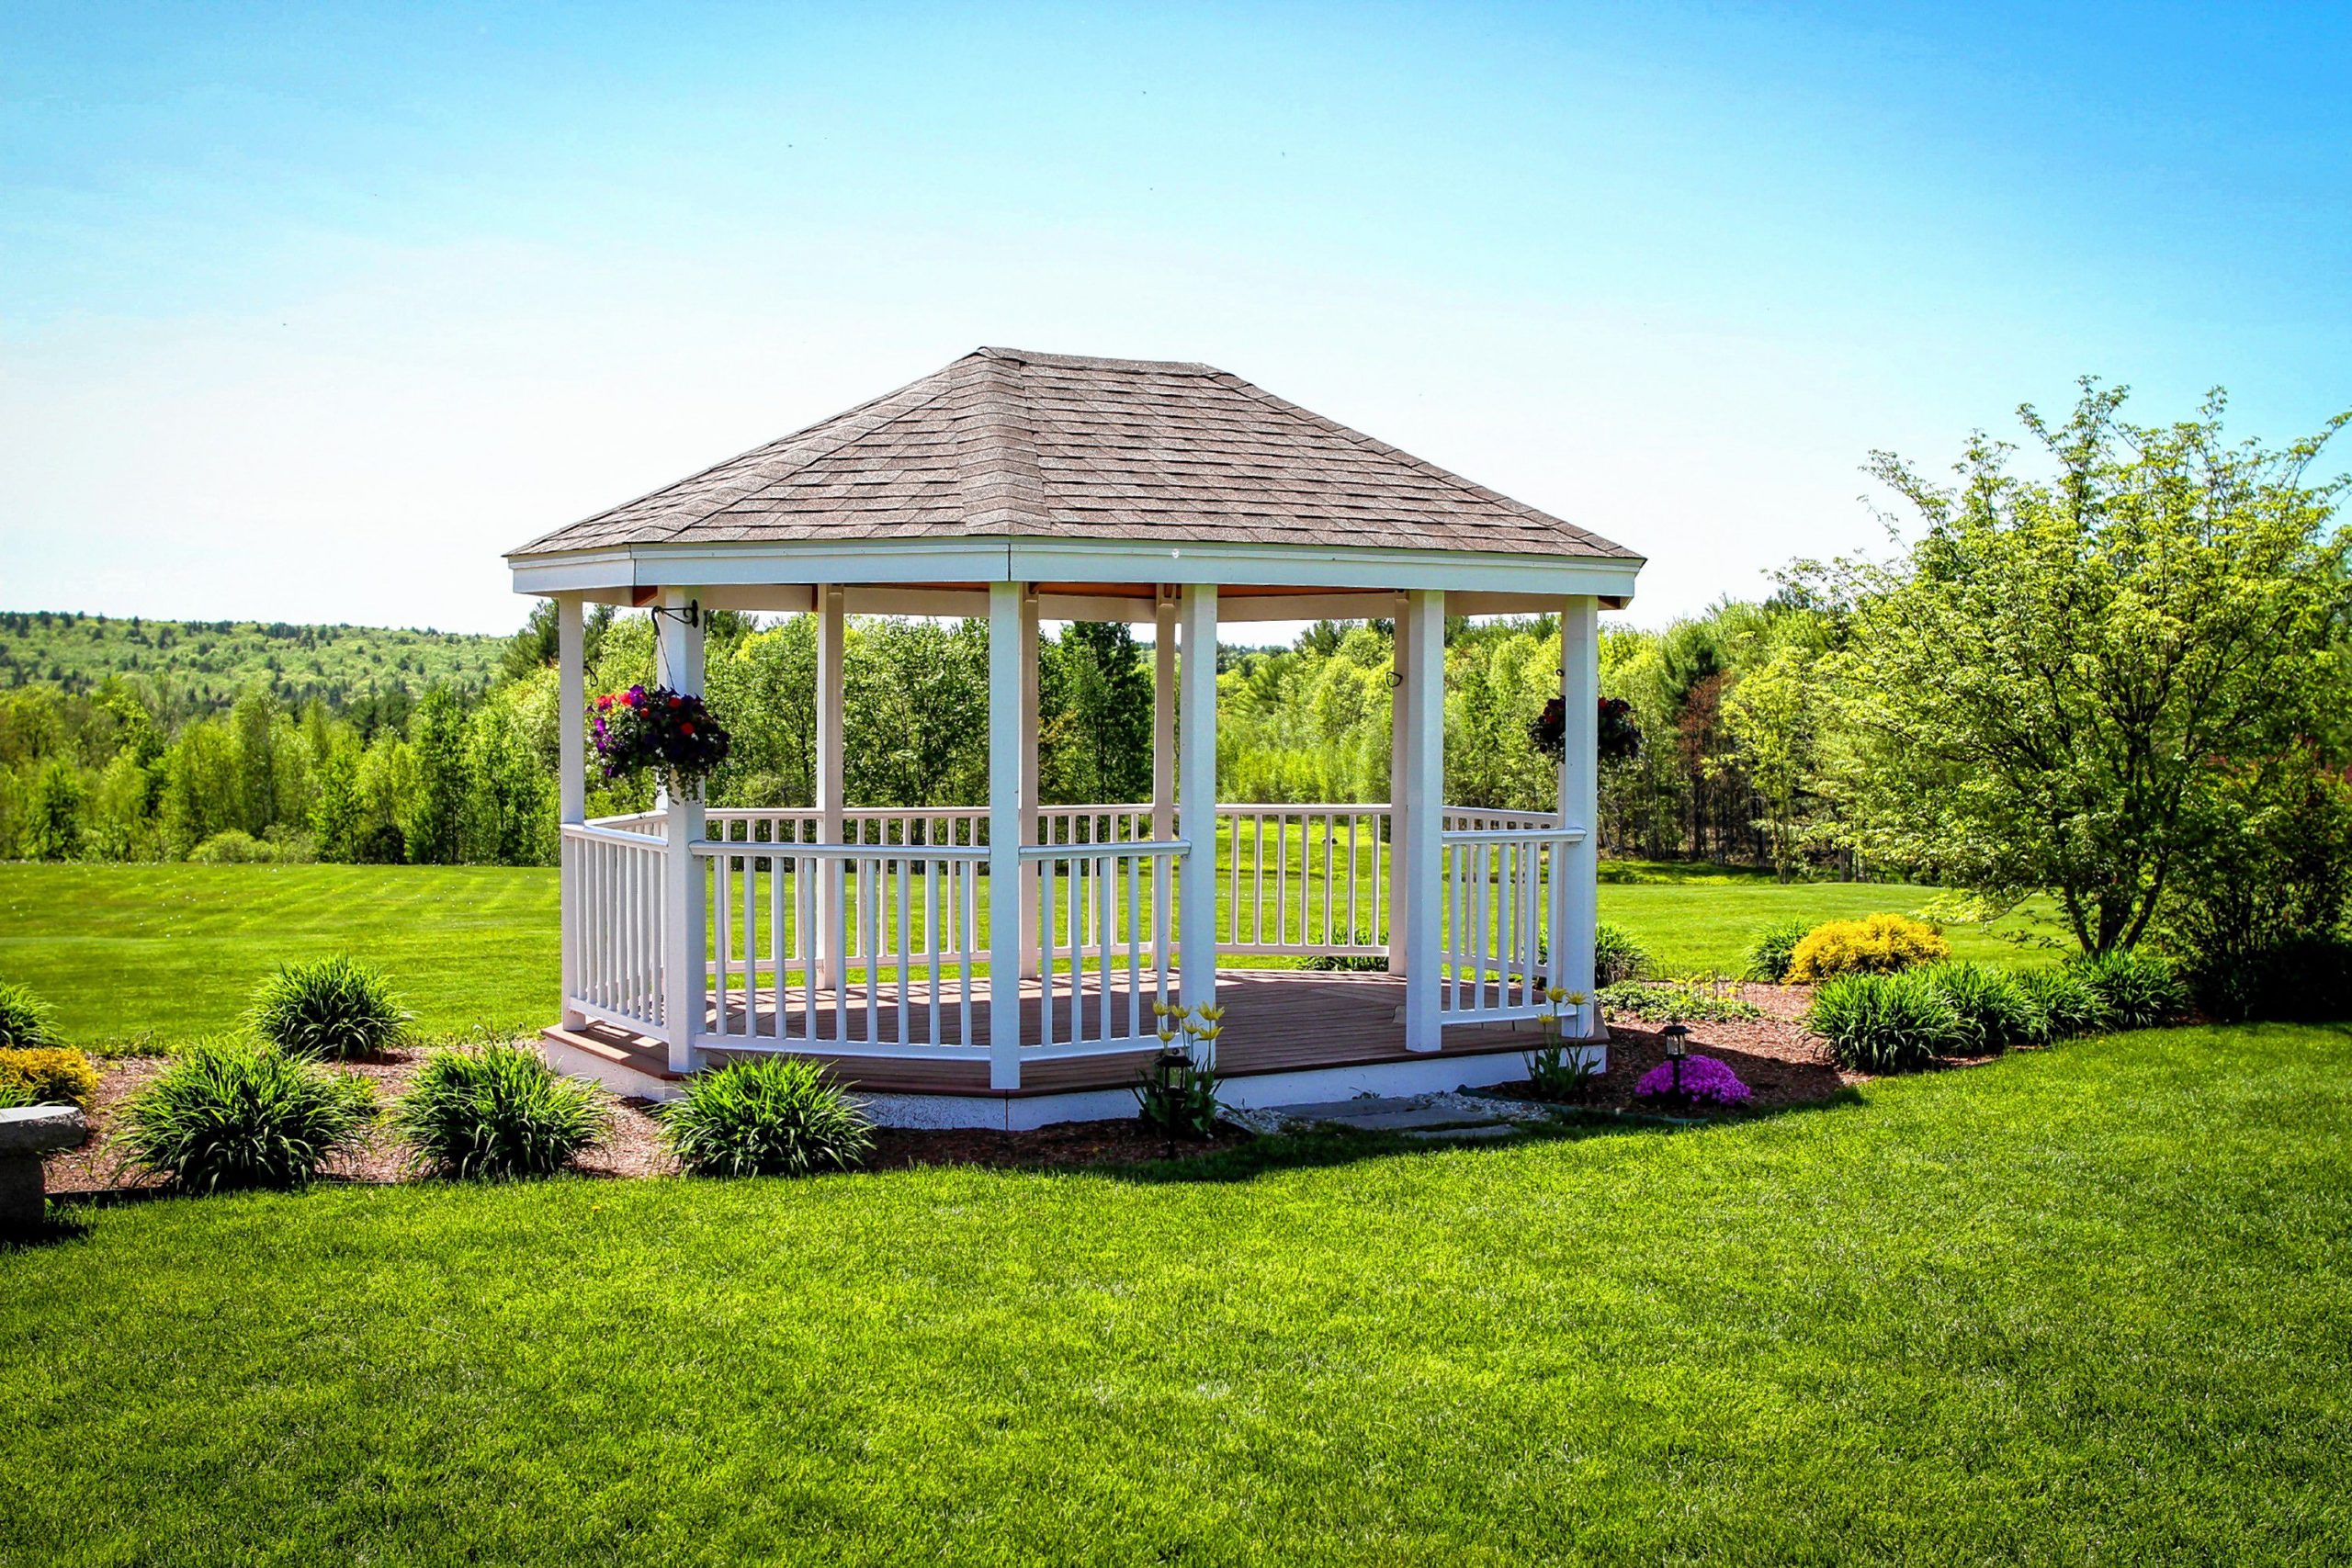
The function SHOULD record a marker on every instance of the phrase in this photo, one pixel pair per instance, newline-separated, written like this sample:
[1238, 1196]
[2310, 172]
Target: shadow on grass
[62, 1224]
[1326, 1147]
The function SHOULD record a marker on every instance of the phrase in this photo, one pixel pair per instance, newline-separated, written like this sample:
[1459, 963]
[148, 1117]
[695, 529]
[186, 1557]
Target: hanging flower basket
[1620, 738]
[654, 727]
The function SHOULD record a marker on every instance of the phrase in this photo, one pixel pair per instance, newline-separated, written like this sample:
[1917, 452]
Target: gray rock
[36, 1129]
[26, 1133]
[1461, 1134]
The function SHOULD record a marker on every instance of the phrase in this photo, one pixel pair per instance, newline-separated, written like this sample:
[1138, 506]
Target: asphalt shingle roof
[1009, 444]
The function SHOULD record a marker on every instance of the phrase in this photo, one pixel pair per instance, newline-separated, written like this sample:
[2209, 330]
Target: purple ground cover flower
[1705, 1081]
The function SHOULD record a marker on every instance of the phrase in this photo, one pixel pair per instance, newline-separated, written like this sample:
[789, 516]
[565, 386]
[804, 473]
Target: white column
[1005, 920]
[830, 634]
[1400, 763]
[1163, 714]
[1029, 798]
[1575, 885]
[1196, 800]
[571, 787]
[678, 655]
[1422, 815]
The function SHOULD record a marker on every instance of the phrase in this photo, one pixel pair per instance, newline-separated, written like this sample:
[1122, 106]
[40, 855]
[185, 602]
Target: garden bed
[632, 1148]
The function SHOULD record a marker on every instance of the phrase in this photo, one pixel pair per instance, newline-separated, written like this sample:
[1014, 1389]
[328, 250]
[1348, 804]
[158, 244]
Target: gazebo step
[607, 1052]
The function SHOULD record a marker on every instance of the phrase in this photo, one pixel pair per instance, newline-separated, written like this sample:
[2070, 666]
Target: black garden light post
[1169, 1070]
[1678, 1045]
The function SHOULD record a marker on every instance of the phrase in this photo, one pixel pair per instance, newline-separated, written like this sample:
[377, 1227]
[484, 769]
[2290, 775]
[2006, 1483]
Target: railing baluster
[1134, 947]
[1105, 913]
[1045, 954]
[906, 955]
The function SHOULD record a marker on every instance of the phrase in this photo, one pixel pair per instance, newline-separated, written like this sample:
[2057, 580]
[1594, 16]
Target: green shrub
[1692, 1001]
[234, 846]
[1875, 945]
[765, 1116]
[2068, 1007]
[24, 1020]
[1884, 1023]
[333, 1006]
[55, 1075]
[496, 1112]
[1616, 956]
[229, 1114]
[1994, 1011]
[2300, 980]
[2138, 990]
[1774, 950]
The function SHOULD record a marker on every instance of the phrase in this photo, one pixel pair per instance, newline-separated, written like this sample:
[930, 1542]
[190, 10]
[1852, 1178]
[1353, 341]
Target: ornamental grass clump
[1616, 956]
[54, 1075]
[1884, 1023]
[766, 1116]
[1875, 945]
[1774, 950]
[1704, 1081]
[26, 1020]
[2139, 990]
[2067, 1005]
[231, 1114]
[332, 1007]
[1995, 1012]
[498, 1113]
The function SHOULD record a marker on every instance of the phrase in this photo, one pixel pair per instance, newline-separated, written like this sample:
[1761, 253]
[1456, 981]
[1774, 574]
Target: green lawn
[131, 954]
[2090, 1306]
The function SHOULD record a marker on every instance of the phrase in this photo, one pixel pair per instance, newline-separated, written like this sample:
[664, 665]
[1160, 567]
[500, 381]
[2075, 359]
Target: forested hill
[201, 666]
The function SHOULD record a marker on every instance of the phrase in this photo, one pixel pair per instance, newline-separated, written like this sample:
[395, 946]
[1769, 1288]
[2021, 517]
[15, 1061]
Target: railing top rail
[1105, 848]
[757, 849]
[598, 832]
[1512, 835]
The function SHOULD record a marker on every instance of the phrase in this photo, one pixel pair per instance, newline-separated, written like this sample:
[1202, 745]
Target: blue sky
[308, 313]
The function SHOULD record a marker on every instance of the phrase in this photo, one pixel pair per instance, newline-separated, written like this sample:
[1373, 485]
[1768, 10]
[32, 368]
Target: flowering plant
[653, 727]
[1705, 1081]
[1620, 737]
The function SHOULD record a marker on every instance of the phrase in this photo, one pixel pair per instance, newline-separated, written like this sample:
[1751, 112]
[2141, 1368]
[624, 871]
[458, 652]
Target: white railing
[1104, 914]
[885, 967]
[1303, 879]
[613, 923]
[1487, 819]
[1496, 887]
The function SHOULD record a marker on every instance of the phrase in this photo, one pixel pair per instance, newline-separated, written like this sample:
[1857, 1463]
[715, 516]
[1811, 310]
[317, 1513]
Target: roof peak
[1094, 361]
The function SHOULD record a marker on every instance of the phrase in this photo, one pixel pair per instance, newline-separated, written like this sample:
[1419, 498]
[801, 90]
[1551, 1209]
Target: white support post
[1424, 794]
[830, 633]
[1005, 922]
[678, 652]
[1196, 799]
[1400, 763]
[571, 784]
[1030, 821]
[1575, 883]
[1163, 714]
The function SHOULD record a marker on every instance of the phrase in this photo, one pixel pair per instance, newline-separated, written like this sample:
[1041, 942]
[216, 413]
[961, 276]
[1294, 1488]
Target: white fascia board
[884, 561]
[1321, 566]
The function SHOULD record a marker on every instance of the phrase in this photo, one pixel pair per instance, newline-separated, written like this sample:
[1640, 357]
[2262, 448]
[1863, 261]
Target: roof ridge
[1421, 465]
[782, 444]
[1097, 362]
[1002, 488]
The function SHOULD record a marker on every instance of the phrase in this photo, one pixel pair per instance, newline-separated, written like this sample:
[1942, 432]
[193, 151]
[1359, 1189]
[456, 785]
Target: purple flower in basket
[660, 730]
[1704, 1081]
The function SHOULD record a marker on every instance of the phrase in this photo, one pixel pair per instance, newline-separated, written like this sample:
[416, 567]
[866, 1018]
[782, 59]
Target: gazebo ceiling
[1086, 472]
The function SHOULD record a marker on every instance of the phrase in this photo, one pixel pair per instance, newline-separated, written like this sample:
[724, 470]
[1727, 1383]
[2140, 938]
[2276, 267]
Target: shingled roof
[1008, 444]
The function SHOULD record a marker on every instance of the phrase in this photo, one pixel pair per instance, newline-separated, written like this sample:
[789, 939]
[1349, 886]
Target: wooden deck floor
[1276, 1020]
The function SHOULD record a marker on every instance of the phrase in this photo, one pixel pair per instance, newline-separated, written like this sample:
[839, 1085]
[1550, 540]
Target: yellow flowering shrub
[1875, 945]
[46, 1074]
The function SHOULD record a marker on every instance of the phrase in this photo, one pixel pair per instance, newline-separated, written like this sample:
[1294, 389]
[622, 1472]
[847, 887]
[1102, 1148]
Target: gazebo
[999, 965]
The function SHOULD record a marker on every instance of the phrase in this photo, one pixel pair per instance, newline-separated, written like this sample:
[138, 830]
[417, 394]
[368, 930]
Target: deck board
[1276, 1020]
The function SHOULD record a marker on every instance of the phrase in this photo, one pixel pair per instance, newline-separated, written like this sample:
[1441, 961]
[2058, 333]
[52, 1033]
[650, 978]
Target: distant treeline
[391, 762]
[198, 667]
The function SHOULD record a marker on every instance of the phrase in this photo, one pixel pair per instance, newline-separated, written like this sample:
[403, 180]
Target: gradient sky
[310, 313]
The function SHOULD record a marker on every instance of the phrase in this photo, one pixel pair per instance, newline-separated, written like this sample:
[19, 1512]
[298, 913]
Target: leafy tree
[434, 823]
[2045, 691]
[338, 807]
[1095, 691]
[52, 811]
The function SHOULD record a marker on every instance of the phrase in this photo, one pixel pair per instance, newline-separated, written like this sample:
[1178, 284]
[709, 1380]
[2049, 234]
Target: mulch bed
[1773, 1056]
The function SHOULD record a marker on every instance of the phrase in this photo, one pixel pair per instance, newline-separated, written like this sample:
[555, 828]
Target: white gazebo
[997, 966]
